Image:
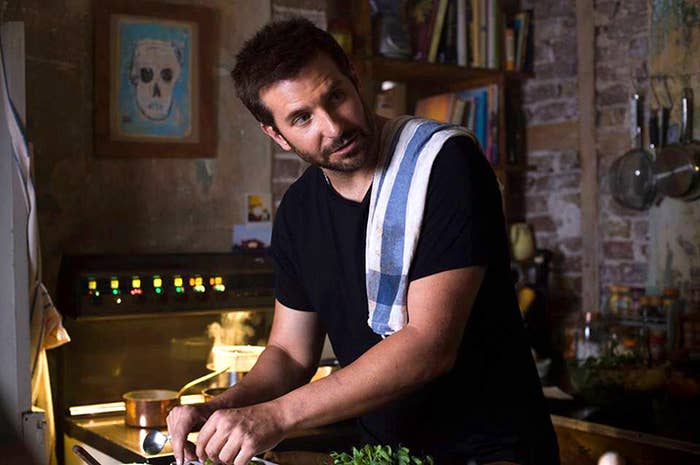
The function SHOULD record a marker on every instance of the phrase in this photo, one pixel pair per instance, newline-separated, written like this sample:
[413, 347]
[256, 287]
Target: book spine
[510, 49]
[462, 25]
[437, 30]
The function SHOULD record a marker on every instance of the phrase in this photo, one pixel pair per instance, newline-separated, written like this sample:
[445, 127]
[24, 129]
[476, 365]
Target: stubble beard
[351, 161]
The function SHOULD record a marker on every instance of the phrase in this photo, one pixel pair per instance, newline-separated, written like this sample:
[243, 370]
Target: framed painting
[154, 80]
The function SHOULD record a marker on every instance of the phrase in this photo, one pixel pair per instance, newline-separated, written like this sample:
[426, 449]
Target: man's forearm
[274, 375]
[392, 368]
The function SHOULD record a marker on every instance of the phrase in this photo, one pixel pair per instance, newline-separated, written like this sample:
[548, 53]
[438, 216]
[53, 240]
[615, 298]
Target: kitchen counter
[109, 434]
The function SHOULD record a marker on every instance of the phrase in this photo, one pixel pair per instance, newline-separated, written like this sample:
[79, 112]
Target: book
[483, 33]
[438, 23]
[492, 34]
[522, 25]
[510, 49]
[447, 50]
[475, 34]
[421, 17]
[462, 35]
[437, 107]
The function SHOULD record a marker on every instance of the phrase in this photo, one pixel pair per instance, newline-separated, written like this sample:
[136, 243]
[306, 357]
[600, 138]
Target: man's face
[320, 115]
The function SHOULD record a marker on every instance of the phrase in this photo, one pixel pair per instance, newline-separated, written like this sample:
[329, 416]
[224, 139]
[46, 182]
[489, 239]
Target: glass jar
[613, 299]
[635, 309]
[591, 338]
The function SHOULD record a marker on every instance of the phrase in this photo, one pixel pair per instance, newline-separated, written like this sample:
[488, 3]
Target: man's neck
[354, 185]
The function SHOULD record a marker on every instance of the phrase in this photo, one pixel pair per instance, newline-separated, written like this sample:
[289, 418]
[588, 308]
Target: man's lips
[347, 146]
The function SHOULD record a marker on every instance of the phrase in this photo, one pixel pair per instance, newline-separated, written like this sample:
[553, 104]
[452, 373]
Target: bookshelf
[423, 79]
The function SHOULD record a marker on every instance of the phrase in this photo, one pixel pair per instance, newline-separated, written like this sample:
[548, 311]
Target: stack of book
[473, 33]
[476, 109]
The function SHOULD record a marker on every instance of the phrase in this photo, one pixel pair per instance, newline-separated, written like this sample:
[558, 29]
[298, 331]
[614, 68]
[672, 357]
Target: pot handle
[687, 115]
[194, 382]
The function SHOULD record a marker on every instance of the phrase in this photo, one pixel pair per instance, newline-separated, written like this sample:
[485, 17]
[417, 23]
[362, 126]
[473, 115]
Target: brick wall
[622, 32]
[552, 185]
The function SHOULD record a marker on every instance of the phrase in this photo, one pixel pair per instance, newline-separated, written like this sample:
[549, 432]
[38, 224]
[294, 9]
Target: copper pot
[210, 393]
[149, 408]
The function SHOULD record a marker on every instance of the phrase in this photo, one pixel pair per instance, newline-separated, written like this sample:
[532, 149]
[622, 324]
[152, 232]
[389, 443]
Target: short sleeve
[288, 288]
[462, 211]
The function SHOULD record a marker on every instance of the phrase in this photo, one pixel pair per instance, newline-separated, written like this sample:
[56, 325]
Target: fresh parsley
[379, 455]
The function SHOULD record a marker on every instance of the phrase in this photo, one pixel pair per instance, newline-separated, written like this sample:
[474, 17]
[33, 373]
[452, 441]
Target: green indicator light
[115, 291]
[158, 290]
[97, 293]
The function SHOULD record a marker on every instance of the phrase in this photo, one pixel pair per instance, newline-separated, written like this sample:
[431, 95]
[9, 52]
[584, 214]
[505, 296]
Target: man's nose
[332, 126]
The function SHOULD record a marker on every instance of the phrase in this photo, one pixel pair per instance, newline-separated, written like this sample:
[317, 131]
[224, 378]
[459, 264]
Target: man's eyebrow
[300, 111]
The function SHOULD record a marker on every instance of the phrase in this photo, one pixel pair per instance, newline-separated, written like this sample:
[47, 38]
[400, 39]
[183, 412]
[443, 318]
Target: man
[457, 381]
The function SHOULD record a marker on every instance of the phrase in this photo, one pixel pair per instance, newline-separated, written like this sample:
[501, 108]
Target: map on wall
[674, 252]
[673, 49]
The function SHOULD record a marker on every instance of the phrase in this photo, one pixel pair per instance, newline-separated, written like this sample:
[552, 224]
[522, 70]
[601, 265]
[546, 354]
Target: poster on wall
[154, 80]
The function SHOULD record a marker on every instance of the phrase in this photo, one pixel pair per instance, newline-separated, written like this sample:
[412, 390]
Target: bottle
[672, 310]
[634, 311]
[613, 300]
[591, 338]
[657, 344]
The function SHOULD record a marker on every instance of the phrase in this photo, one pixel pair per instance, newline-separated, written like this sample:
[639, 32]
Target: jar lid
[672, 292]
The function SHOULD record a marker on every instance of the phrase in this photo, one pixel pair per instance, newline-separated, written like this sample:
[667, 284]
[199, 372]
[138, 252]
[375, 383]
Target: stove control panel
[90, 285]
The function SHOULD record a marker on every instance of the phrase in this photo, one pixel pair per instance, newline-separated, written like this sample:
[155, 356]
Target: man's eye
[337, 95]
[301, 119]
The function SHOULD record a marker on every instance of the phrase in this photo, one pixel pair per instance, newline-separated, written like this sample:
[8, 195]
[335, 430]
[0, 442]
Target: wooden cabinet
[424, 79]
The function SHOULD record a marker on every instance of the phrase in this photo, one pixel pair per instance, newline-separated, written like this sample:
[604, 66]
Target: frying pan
[678, 165]
[631, 178]
[149, 408]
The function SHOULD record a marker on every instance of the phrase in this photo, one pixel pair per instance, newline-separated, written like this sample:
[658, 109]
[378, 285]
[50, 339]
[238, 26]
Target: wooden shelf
[388, 69]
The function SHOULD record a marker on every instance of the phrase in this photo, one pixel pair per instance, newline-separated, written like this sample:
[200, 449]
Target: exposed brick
[638, 47]
[641, 229]
[571, 263]
[558, 69]
[616, 227]
[567, 181]
[572, 245]
[634, 273]
[558, 110]
[618, 250]
[536, 93]
[542, 161]
[287, 168]
[611, 116]
[536, 203]
[542, 223]
[613, 95]
[539, 184]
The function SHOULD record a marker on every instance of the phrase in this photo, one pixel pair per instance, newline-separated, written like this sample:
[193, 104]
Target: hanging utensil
[678, 165]
[631, 177]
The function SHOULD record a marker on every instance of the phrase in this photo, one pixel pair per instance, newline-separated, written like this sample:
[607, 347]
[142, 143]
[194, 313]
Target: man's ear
[276, 136]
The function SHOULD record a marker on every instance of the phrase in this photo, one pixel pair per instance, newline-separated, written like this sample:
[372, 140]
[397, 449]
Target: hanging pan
[678, 165]
[631, 176]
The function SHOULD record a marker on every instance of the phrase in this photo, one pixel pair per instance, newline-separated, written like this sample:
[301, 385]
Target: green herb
[379, 455]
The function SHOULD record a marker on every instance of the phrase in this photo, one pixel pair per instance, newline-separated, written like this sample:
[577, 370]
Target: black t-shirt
[490, 405]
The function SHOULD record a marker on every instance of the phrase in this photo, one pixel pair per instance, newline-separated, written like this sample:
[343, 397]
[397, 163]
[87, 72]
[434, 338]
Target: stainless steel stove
[143, 322]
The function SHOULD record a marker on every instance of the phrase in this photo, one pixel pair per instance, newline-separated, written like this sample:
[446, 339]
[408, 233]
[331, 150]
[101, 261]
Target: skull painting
[155, 69]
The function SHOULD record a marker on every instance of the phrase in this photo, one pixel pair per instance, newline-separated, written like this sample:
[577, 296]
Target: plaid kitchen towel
[408, 147]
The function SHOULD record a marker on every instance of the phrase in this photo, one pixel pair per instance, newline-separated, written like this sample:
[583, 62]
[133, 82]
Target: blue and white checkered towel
[408, 147]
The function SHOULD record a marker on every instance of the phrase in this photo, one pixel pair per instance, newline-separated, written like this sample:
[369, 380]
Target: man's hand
[182, 421]
[234, 436]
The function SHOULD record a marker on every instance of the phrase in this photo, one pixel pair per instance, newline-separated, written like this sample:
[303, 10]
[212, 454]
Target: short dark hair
[277, 52]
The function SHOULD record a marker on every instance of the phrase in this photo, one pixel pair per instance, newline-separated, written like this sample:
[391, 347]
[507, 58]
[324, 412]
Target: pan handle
[687, 115]
[194, 382]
